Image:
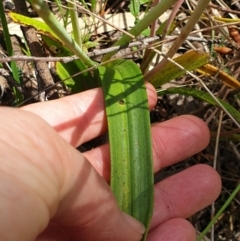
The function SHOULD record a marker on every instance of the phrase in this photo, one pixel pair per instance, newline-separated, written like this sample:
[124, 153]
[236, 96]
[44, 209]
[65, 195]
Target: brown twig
[144, 43]
[44, 77]
[224, 9]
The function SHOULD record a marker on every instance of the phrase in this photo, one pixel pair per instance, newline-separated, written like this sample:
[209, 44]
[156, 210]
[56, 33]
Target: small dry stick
[144, 43]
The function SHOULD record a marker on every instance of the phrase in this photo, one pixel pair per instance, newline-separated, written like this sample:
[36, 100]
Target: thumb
[88, 209]
[44, 178]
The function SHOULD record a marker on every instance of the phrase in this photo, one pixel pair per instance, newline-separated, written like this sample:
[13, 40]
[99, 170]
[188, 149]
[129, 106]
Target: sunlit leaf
[190, 61]
[227, 79]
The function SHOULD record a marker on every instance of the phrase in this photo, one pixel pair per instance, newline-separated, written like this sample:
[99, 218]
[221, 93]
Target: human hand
[50, 191]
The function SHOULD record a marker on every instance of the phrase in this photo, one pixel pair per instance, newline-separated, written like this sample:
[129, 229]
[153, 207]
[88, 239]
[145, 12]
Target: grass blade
[44, 12]
[9, 47]
[219, 213]
[156, 12]
[203, 96]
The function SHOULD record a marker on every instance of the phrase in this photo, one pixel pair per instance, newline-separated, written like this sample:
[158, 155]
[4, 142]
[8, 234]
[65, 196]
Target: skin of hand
[51, 192]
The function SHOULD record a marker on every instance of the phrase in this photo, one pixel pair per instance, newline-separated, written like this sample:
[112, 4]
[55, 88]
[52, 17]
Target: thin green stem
[75, 23]
[93, 5]
[9, 47]
[8, 42]
[44, 12]
[157, 11]
[204, 232]
[61, 11]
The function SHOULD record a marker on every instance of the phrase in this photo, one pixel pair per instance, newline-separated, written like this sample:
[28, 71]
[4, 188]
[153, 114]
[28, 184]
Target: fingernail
[135, 224]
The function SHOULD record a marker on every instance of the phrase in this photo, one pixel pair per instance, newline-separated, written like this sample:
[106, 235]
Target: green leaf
[59, 31]
[9, 47]
[134, 7]
[77, 83]
[190, 61]
[130, 139]
[57, 47]
[40, 26]
[203, 96]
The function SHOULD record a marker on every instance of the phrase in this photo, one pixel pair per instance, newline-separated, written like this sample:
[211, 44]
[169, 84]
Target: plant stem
[8, 42]
[157, 11]
[9, 47]
[181, 38]
[75, 23]
[204, 232]
[44, 12]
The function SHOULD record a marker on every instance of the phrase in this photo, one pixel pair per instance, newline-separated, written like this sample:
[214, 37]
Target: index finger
[81, 117]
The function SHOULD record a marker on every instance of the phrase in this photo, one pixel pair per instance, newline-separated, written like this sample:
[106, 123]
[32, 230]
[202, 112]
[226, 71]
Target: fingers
[185, 193]
[178, 139]
[173, 141]
[42, 177]
[81, 117]
[176, 229]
